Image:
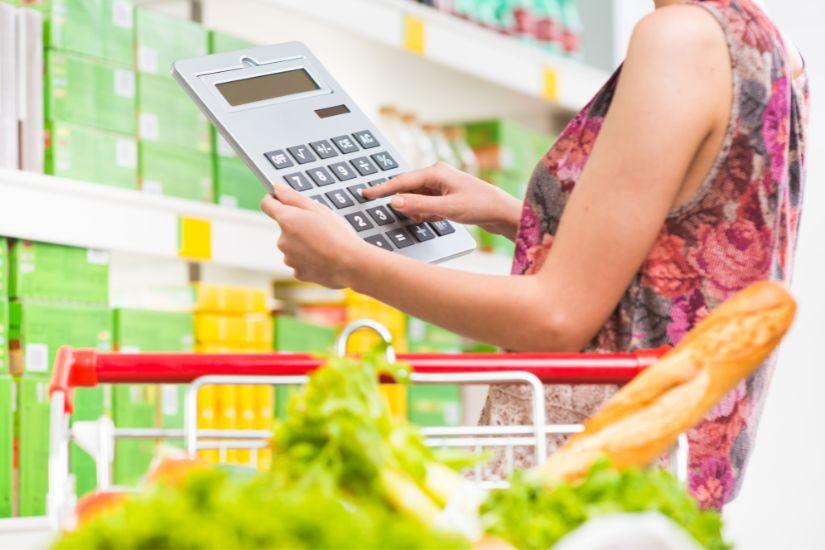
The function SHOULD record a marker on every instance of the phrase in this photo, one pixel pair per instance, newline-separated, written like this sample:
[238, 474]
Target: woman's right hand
[442, 191]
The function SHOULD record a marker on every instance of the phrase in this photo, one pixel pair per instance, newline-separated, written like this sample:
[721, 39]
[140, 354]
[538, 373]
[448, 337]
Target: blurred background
[148, 238]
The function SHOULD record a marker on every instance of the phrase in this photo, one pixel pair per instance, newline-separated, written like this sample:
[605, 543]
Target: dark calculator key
[321, 176]
[384, 161]
[373, 183]
[345, 144]
[343, 171]
[421, 232]
[339, 198]
[400, 238]
[442, 227]
[301, 154]
[355, 191]
[298, 181]
[379, 241]
[278, 159]
[398, 214]
[366, 139]
[323, 149]
[364, 166]
[320, 200]
[359, 221]
[381, 215]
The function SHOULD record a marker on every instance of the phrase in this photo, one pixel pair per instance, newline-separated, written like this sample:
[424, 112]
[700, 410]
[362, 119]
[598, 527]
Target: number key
[321, 176]
[298, 181]
[356, 190]
[421, 232]
[385, 161]
[342, 171]
[301, 154]
[323, 149]
[359, 221]
[380, 214]
[278, 159]
[400, 238]
[320, 200]
[366, 139]
[364, 166]
[345, 144]
[339, 198]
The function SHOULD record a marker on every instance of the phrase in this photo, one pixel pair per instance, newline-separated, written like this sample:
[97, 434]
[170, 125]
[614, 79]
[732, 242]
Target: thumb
[415, 205]
[287, 195]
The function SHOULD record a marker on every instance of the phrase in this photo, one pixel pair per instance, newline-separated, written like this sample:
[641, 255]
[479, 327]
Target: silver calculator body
[291, 122]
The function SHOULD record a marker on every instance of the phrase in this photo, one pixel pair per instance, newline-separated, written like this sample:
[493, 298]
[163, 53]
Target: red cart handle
[87, 368]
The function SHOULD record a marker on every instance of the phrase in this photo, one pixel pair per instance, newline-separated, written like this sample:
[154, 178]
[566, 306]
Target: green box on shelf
[224, 42]
[163, 39]
[32, 434]
[87, 154]
[168, 115]
[175, 171]
[47, 271]
[435, 405]
[88, 405]
[7, 408]
[42, 327]
[90, 92]
[423, 337]
[503, 144]
[4, 267]
[96, 28]
[235, 184]
[133, 406]
[5, 329]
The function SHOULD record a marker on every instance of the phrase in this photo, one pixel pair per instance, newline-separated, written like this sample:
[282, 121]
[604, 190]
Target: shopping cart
[87, 368]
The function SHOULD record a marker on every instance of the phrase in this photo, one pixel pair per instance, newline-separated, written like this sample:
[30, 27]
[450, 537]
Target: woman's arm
[672, 94]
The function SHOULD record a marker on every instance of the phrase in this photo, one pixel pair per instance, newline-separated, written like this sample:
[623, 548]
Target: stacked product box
[143, 405]
[433, 405]
[7, 399]
[89, 88]
[234, 183]
[175, 152]
[58, 296]
[234, 320]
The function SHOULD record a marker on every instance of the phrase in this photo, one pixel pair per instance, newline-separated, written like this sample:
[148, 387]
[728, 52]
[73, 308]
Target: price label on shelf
[415, 36]
[194, 238]
[550, 89]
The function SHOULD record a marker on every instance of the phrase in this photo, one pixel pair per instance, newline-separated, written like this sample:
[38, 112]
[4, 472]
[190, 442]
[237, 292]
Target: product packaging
[9, 146]
[212, 298]
[30, 77]
[93, 93]
[7, 408]
[89, 404]
[220, 42]
[32, 434]
[86, 154]
[168, 115]
[502, 144]
[295, 335]
[163, 39]
[244, 330]
[175, 171]
[4, 336]
[45, 271]
[435, 405]
[207, 418]
[133, 406]
[4, 268]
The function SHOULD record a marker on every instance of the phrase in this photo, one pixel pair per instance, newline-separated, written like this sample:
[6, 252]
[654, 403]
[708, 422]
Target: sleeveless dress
[738, 228]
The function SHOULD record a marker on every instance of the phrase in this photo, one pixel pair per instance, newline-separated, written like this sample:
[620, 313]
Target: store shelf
[461, 45]
[62, 211]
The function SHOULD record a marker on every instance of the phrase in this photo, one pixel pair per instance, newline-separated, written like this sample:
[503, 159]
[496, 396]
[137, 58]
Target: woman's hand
[317, 244]
[441, 191]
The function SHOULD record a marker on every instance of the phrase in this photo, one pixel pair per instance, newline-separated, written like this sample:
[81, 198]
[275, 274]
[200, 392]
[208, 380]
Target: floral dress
[739, 227]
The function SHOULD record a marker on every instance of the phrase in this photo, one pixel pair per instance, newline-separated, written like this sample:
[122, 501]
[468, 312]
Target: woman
[676, 186]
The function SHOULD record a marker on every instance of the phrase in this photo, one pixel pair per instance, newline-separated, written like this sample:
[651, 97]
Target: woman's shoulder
[686, 29]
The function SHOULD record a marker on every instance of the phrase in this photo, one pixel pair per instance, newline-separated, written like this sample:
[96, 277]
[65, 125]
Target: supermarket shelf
[461, 45]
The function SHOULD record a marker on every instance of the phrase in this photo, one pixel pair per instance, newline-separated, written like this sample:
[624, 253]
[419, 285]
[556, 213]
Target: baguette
[645, 417]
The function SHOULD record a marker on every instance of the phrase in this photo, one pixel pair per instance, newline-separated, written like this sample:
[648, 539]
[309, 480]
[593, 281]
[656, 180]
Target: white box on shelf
[9, 152]
[30, 89]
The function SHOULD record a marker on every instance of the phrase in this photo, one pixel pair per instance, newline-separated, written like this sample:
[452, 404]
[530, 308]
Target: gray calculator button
[364, 166]
[384, 161]
[298, 181]
[359, 221]
[339, 198]
[345, 144]
[400, 238]
[323, 149]
[342, 171]
[355, 191]
[301, 154]
[381, 215]
[320, 200]
[442, 227]
[379, 241]
[278, 159]
[373, 183]
[321, 176]
[366, 139]
[421, 232]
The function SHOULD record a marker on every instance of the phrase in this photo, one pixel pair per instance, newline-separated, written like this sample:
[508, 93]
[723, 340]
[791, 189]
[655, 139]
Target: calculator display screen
[268, 86]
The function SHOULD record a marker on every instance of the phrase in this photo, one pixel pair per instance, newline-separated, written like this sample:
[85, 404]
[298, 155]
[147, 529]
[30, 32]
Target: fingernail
[398, 202]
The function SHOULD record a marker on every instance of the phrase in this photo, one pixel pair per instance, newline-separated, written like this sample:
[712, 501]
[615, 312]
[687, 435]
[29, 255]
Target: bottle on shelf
[523, 20]
[447, 6]
[571, 28]
[425, 154]
[391, 125]
[548, 25]
[440, 144]
[468, 162]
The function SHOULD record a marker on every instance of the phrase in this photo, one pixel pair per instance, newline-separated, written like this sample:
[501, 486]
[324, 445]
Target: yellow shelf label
[195, 238]
[550, 90]
[415, 39]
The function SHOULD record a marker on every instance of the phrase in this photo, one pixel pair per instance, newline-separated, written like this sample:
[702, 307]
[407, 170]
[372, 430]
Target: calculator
[291, 122]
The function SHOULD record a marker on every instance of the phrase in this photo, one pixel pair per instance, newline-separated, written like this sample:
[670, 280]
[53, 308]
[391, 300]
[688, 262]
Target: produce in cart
[346, 474]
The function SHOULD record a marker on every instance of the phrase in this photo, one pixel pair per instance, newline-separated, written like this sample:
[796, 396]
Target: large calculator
[291, 122]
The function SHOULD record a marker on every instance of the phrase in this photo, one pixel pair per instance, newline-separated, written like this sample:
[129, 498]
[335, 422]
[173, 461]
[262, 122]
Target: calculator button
[323, 149]
[301, 154]
[398, 214]
[278, 159]
[359, 221]
[373, 183]
[355, 191]
[321, 176]
[366, 139]
[384, 161]
[345, 144]
[320, 200]
[339, 198]
[342, 171]
[379, 241]
[364, 166]
[443, 227]
[421, 232]
[400, 238]
[298, 181]
[380, 214]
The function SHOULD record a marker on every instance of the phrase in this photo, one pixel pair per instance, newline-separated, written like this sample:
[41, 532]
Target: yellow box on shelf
[252, 330]
[229, 299]
[264, 398]
[226, 418]
[195, 238]
[207, 418]
[245, 415]
[415, 35]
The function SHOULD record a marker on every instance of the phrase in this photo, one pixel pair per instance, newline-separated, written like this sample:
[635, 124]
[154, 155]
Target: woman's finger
[427, 179]
[421, 206]
[291, 197]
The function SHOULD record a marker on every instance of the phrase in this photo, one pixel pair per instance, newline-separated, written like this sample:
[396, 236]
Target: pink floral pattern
[740, 227]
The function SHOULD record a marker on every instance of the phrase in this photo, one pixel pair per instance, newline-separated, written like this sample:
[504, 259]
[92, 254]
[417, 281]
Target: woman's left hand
[318, 245]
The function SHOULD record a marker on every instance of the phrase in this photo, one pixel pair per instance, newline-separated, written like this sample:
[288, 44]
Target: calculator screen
[268, 86]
